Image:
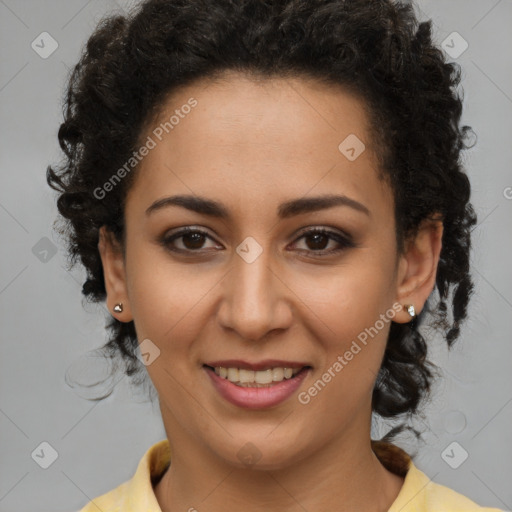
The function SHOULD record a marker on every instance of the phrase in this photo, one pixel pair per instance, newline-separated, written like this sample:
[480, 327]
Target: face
[258, 288]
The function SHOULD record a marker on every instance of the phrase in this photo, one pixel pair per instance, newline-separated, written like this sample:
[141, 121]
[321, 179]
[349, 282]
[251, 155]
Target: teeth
[233, 374]
[278, 374]
[243, 375]
[251, 378]
[264, 377]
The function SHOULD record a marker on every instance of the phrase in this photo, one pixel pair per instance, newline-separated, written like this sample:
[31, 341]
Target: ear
[114, 273]
[418, 267]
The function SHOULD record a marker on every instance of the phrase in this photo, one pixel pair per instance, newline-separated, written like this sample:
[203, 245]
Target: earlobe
[418, 268]
[115, 276]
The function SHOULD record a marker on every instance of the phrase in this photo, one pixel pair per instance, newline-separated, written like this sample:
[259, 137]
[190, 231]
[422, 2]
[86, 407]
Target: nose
[255, 300]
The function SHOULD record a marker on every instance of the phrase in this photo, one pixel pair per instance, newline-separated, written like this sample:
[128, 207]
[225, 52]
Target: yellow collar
[418, 493]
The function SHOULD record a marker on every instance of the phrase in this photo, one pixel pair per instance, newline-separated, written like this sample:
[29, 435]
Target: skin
[252, 145]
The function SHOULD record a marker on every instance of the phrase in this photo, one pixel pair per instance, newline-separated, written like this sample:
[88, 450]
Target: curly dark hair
[375, 48]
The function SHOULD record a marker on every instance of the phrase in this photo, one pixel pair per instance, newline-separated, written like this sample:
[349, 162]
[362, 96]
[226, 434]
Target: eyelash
[345, 241]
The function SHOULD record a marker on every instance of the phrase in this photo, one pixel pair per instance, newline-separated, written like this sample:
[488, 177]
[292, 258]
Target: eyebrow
[288, 209]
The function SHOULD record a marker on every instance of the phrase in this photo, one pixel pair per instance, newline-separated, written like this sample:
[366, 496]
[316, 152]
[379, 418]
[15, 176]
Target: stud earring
[410, 309]
[118, 308]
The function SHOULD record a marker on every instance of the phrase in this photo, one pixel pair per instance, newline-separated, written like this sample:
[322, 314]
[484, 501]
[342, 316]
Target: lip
[261, 365]
[256, 398]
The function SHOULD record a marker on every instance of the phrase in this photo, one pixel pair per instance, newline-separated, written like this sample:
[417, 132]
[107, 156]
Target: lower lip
[257, 398]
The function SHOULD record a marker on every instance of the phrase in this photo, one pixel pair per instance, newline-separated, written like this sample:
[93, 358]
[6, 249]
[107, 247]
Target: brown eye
[319, 239]
[192, 240]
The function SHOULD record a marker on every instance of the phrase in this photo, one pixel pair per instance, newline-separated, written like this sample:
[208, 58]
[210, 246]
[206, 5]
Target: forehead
[260, 138]
[236, 108]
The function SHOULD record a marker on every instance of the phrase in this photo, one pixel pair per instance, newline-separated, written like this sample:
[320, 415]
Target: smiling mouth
[257, 378]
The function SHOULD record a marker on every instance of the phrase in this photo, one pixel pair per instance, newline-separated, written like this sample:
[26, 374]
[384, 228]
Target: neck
[344, 475]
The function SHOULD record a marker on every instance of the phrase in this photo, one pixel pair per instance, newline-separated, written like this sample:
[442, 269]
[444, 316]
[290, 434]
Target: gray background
[46, 330]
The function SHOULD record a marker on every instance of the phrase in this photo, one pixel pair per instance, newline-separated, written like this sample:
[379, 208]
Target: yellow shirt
[418, 493]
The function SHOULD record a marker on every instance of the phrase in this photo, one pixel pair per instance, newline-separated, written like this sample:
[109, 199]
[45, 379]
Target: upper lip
[261, 365]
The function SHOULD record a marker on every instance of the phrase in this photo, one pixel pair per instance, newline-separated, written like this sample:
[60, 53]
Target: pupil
[196, 242]
[316, 238]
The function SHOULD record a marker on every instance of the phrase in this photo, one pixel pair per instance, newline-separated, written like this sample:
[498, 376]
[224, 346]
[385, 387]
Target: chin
[261, 453]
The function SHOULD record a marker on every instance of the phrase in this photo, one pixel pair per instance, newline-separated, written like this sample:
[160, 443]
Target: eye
[192, 240]
[320, 238]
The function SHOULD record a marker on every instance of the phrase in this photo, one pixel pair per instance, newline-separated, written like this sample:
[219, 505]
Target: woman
[267, 195]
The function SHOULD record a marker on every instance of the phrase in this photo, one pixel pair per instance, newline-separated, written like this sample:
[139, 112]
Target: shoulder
[136, 494]
[441, 498]
[111, 501]
[419, 493]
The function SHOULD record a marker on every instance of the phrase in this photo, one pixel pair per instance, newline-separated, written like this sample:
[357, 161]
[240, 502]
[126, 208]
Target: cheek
[351, 296]
[353, 332]
[164, 296]
[352, 311]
